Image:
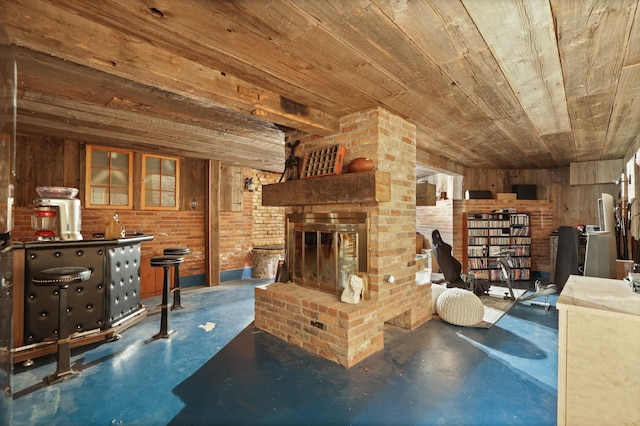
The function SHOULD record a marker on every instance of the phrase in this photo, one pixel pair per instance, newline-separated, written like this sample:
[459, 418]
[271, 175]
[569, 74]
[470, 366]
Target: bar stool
[165, 262]
[62, 278]
[176, 251]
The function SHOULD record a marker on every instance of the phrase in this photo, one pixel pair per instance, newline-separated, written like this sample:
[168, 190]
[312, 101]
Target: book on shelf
[520, 231]
[520, 219]
[478, 241]
[499, 240]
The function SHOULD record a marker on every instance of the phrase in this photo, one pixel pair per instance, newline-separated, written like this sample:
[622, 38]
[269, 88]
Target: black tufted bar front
[123, 282]
[86, 305]
[107, 299]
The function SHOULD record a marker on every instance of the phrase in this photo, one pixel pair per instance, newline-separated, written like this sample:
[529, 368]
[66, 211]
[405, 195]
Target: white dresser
[598, 353]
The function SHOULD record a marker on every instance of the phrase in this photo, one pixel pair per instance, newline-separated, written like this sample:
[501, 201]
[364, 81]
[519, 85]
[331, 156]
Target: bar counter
[99, 308]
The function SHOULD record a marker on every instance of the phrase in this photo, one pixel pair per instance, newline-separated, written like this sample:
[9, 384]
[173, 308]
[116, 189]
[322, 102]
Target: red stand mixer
[56, 214]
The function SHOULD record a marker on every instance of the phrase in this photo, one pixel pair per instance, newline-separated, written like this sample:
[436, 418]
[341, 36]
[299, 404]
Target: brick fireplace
[318, 321]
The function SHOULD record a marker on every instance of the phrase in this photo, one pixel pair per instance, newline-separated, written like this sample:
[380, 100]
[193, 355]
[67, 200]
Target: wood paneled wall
[43, 161]
[573, 205]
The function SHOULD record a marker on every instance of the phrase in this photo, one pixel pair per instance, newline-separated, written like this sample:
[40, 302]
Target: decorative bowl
[57, 192]
[360, 165]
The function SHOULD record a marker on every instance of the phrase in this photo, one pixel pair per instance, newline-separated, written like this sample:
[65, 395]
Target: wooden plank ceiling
[488, 83]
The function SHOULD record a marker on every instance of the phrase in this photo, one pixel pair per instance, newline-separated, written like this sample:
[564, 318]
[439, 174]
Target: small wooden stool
[176, 251]
[62, 277]
[165, 262]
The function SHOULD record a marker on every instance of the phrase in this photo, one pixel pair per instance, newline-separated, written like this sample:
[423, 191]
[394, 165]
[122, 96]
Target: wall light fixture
[249, 185]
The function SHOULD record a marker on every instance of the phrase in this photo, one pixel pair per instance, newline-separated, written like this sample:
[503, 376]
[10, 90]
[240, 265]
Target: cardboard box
[425, 194]
[506, 196]
[419, 242]
[623, 267]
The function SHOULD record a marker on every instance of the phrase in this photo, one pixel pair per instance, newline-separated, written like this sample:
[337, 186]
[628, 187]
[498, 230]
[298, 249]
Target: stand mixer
[57, 214]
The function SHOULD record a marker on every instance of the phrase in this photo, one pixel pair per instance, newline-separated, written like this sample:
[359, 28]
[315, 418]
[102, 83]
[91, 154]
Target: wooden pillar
[212, 224]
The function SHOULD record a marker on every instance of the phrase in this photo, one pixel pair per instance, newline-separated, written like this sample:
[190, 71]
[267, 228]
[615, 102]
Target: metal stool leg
[63, 369]
[164, 313]
[176, 251]
[62, 277]
[176, 289]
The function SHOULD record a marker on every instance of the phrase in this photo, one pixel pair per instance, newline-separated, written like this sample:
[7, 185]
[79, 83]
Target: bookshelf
[488, 233]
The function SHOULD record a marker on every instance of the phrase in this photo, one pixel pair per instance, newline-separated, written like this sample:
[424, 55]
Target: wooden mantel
[363, 187]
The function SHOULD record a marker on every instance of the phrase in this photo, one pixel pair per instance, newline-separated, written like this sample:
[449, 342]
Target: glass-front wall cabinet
[160, 187]
[109, 178]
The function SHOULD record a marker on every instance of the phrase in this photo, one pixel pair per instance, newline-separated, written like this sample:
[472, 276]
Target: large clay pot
[360, 165]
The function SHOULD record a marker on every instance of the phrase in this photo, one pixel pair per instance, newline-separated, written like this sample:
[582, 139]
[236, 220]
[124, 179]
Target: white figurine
[353, 290]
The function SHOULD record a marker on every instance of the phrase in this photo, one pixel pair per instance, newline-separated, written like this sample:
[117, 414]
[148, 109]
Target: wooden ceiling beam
[113, 52]
[132, 121]
[99, 90]
[438, 163]
[49, 125]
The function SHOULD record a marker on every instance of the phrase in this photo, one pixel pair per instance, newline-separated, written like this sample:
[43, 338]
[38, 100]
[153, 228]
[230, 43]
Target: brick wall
[235, 236]
[541, 224]
[317, 321]
[268, 222]
[178, 229]
[440, 217]
[253, 226]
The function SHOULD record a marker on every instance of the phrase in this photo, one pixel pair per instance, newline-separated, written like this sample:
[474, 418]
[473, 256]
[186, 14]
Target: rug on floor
[495, 305]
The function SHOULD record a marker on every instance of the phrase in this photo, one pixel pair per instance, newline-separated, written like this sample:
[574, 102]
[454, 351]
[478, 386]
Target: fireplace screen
[324, 249]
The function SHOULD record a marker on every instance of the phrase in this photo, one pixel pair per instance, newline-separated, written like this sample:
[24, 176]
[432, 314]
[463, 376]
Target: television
[606, 213]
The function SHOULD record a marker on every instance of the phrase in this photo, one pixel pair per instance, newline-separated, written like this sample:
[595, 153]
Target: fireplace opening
[323, 250]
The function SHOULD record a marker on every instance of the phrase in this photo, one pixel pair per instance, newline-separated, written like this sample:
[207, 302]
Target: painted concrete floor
[217, 369]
